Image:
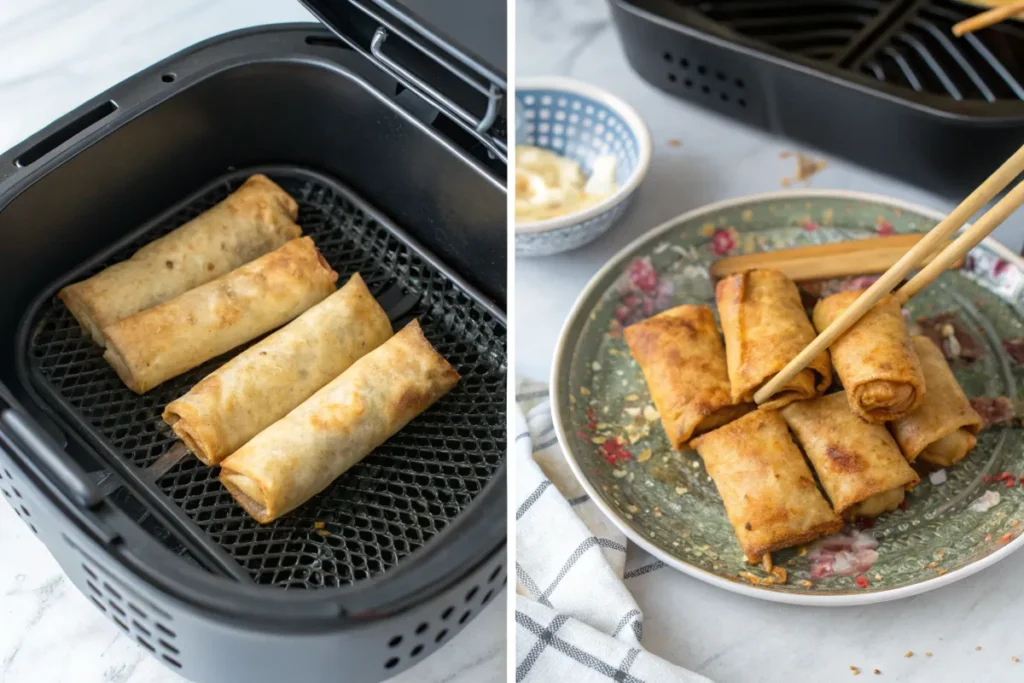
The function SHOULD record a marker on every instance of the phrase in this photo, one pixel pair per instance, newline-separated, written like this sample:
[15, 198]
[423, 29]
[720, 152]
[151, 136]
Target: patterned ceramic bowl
[581, 122]
[955, 522]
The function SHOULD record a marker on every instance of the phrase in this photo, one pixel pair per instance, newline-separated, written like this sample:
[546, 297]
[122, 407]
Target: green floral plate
[956, 522]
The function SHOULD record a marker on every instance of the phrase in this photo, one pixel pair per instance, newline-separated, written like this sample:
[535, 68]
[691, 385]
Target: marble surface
[724, 636]
[55, 54]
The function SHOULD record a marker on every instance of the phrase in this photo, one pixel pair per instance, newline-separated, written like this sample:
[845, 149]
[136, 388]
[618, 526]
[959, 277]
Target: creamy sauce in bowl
[549, 185]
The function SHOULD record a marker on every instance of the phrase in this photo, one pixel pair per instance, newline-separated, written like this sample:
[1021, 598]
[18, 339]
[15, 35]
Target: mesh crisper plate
[908, 43]
[378, 512]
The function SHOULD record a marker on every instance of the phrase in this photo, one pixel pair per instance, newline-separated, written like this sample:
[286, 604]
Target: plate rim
[561, 360]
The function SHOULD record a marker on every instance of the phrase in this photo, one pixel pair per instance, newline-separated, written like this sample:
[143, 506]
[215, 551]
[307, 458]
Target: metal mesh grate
[922, 54]
[908, 43]
[819, 29]
[382, 509]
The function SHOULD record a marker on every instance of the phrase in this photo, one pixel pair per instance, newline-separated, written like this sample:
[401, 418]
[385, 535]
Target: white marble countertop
[729, 638]
[54, 55]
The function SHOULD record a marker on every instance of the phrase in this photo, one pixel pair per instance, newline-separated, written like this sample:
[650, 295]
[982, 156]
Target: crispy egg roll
[255, 219]
[162, 342]
[261, 385]
[941, 431]
[681, 356]
[875, 359]
[768, 489]
[858, 463]
[765, 326]
[298, 456]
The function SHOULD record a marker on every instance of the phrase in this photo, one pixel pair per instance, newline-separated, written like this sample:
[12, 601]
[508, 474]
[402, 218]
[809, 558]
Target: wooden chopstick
[964, 243]
[987, 18]
[827, 261]
[1003, 176]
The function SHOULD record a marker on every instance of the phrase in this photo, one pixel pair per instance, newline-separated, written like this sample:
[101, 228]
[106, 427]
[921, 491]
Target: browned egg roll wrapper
[941, 430]
[298, 456]
[768, 489]
[255, 219]
[261, 385]
[162, 342]
[765, 327]
[874, 359]
[858, 463]
[683, 361]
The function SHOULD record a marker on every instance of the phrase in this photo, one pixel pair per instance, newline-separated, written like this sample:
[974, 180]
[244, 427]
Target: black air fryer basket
[391, 139]
[883, 83]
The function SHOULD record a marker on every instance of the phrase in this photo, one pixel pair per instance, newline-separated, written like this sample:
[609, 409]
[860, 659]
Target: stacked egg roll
[302, 453]
[765, 327]
[257, 218]
[941, 431]
[681, 356]
[154, 345]
[858, 463]
[875, 359]
[261, 385]
[769, 492]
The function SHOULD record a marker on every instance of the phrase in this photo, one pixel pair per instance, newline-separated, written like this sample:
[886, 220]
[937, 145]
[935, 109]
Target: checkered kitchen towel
[575, 619]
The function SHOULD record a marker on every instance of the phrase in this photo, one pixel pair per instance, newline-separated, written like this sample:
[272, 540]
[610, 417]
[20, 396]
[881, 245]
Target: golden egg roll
[874, 359]
[858, 463]
[681, 356]
[162, 342]
[298, 456]
[765, 326]
[941, 431]
[768, 489]
[255, 219]
[261, 385]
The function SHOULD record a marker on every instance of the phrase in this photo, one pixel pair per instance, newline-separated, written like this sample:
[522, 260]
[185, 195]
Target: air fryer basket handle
[64, 472]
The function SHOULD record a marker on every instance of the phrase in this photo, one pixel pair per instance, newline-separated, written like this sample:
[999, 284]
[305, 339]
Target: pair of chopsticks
[984, 193]
[988, 18]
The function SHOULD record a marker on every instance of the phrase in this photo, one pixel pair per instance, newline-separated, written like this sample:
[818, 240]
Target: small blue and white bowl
[582, 122]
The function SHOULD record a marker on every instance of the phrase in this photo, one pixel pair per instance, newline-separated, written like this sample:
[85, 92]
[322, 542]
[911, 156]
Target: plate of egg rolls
[286, 416]
[891, 465]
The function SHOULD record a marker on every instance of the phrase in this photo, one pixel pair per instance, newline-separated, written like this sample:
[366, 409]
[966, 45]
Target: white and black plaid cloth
[575, 619]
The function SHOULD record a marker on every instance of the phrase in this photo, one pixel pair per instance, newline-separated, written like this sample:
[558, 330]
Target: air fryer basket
[400, 552]
[881, 82]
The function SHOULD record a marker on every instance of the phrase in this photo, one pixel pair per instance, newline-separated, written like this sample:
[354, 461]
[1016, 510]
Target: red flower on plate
[808, 225]
[643, 276]
[1000, 267]
[614, 451]
[884, 227]
[722, 242]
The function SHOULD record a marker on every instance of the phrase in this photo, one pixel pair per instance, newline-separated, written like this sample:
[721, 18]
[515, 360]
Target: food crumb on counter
[909, 654]
[876, 672]
[806, 167]
[977, 647]
[927, 654]
[855, 670]
[674, 143]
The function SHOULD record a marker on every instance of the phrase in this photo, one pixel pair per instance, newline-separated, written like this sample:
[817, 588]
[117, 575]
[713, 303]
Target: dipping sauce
[549, 185]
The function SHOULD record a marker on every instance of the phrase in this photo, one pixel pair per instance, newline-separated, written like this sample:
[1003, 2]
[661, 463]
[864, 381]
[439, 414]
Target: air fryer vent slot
[697, 80]
[384, 508]
[16, 500]
[132, 616]
[428, 636]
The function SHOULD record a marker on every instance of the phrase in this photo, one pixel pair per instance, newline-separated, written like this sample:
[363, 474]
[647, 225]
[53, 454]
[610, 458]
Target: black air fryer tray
[883, 83]
[399, 553]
